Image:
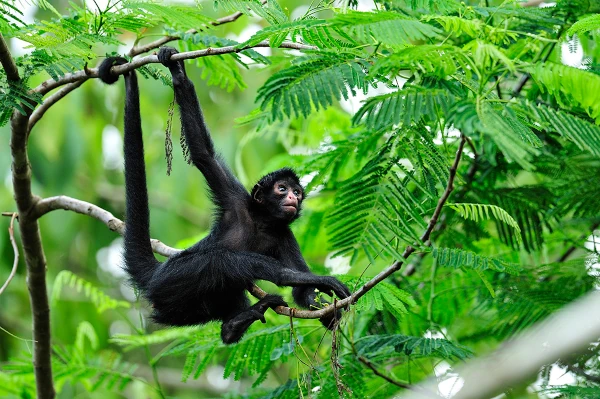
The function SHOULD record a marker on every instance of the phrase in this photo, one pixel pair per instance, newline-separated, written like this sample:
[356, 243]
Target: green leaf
[385, 27]
[570, 86]
[389, 345]
[513, 137]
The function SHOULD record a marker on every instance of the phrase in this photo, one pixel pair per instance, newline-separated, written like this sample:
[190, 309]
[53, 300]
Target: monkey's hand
[164, 56]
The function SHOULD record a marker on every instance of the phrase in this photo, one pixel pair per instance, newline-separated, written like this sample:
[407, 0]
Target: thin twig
[572, 249]
[11, 235]
[380, 374]
[50, 101]
[52, 84]
[85, 208]
[526, 76]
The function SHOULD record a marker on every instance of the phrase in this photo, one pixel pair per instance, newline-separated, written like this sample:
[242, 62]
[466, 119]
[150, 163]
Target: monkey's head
[280, 194]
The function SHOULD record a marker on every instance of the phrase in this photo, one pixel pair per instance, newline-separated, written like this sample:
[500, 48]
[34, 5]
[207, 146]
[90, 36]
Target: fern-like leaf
[316, 81]
[375, 207]
[512, 136]
[129, 342]
[457, 258]
[587, 24]
[583, 133]
[271, 11]
[440, 61]
[253, 353]
[101, 301]
[179, 17]
[405, 106]
[477, 212]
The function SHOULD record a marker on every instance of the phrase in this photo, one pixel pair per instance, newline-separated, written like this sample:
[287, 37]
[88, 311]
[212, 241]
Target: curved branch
[86, 208]
[52, 84]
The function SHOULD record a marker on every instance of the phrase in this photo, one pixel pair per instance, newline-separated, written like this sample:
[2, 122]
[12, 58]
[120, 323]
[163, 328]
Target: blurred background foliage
[496, 268]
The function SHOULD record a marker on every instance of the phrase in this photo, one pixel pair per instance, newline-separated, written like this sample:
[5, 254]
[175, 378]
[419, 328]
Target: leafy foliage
[524, 199]
[386, 27]
[387, 345]
[569, 86]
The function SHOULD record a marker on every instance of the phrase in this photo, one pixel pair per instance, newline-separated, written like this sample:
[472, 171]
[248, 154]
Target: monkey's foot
[270, 301]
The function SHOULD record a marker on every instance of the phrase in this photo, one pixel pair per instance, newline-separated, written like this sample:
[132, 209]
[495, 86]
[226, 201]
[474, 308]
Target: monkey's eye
[297, 193]
[282, 189]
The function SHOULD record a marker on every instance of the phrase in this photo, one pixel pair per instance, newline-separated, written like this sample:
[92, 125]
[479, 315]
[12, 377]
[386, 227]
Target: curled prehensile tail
[140, 262]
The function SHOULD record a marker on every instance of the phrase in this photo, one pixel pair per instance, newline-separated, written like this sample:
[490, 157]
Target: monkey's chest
[251, 241]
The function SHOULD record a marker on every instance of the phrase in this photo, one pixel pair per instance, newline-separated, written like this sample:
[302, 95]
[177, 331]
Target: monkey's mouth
[290, 208]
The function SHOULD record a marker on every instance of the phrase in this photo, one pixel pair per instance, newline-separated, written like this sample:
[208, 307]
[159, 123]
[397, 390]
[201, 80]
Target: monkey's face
[282, 200]
[290, 196]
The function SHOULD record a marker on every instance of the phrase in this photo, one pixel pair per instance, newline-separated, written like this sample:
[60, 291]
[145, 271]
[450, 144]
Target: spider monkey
[250, 238]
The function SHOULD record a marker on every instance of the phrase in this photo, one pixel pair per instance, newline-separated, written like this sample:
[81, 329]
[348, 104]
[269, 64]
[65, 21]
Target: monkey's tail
[140, 262]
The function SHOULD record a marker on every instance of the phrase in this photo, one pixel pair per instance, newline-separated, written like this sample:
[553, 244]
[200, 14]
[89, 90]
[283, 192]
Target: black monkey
[249, 240]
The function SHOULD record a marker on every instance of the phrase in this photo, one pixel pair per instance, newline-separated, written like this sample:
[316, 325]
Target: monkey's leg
[234, 328]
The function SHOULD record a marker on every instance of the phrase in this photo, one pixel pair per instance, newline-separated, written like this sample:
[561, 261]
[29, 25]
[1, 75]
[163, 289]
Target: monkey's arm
[306, 295]
[223, 184]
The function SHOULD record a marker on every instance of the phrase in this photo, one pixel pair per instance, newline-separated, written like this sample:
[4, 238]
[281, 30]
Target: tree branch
[50, 101]
[11, 234]
[52, 84]
[7, 61]
[30, 238]
[35, 258]
[85, 208]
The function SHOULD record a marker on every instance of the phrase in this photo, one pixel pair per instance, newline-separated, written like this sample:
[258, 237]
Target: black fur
[250, 239]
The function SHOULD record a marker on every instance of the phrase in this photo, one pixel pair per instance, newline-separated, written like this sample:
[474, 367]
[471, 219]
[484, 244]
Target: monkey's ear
[257, 193]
